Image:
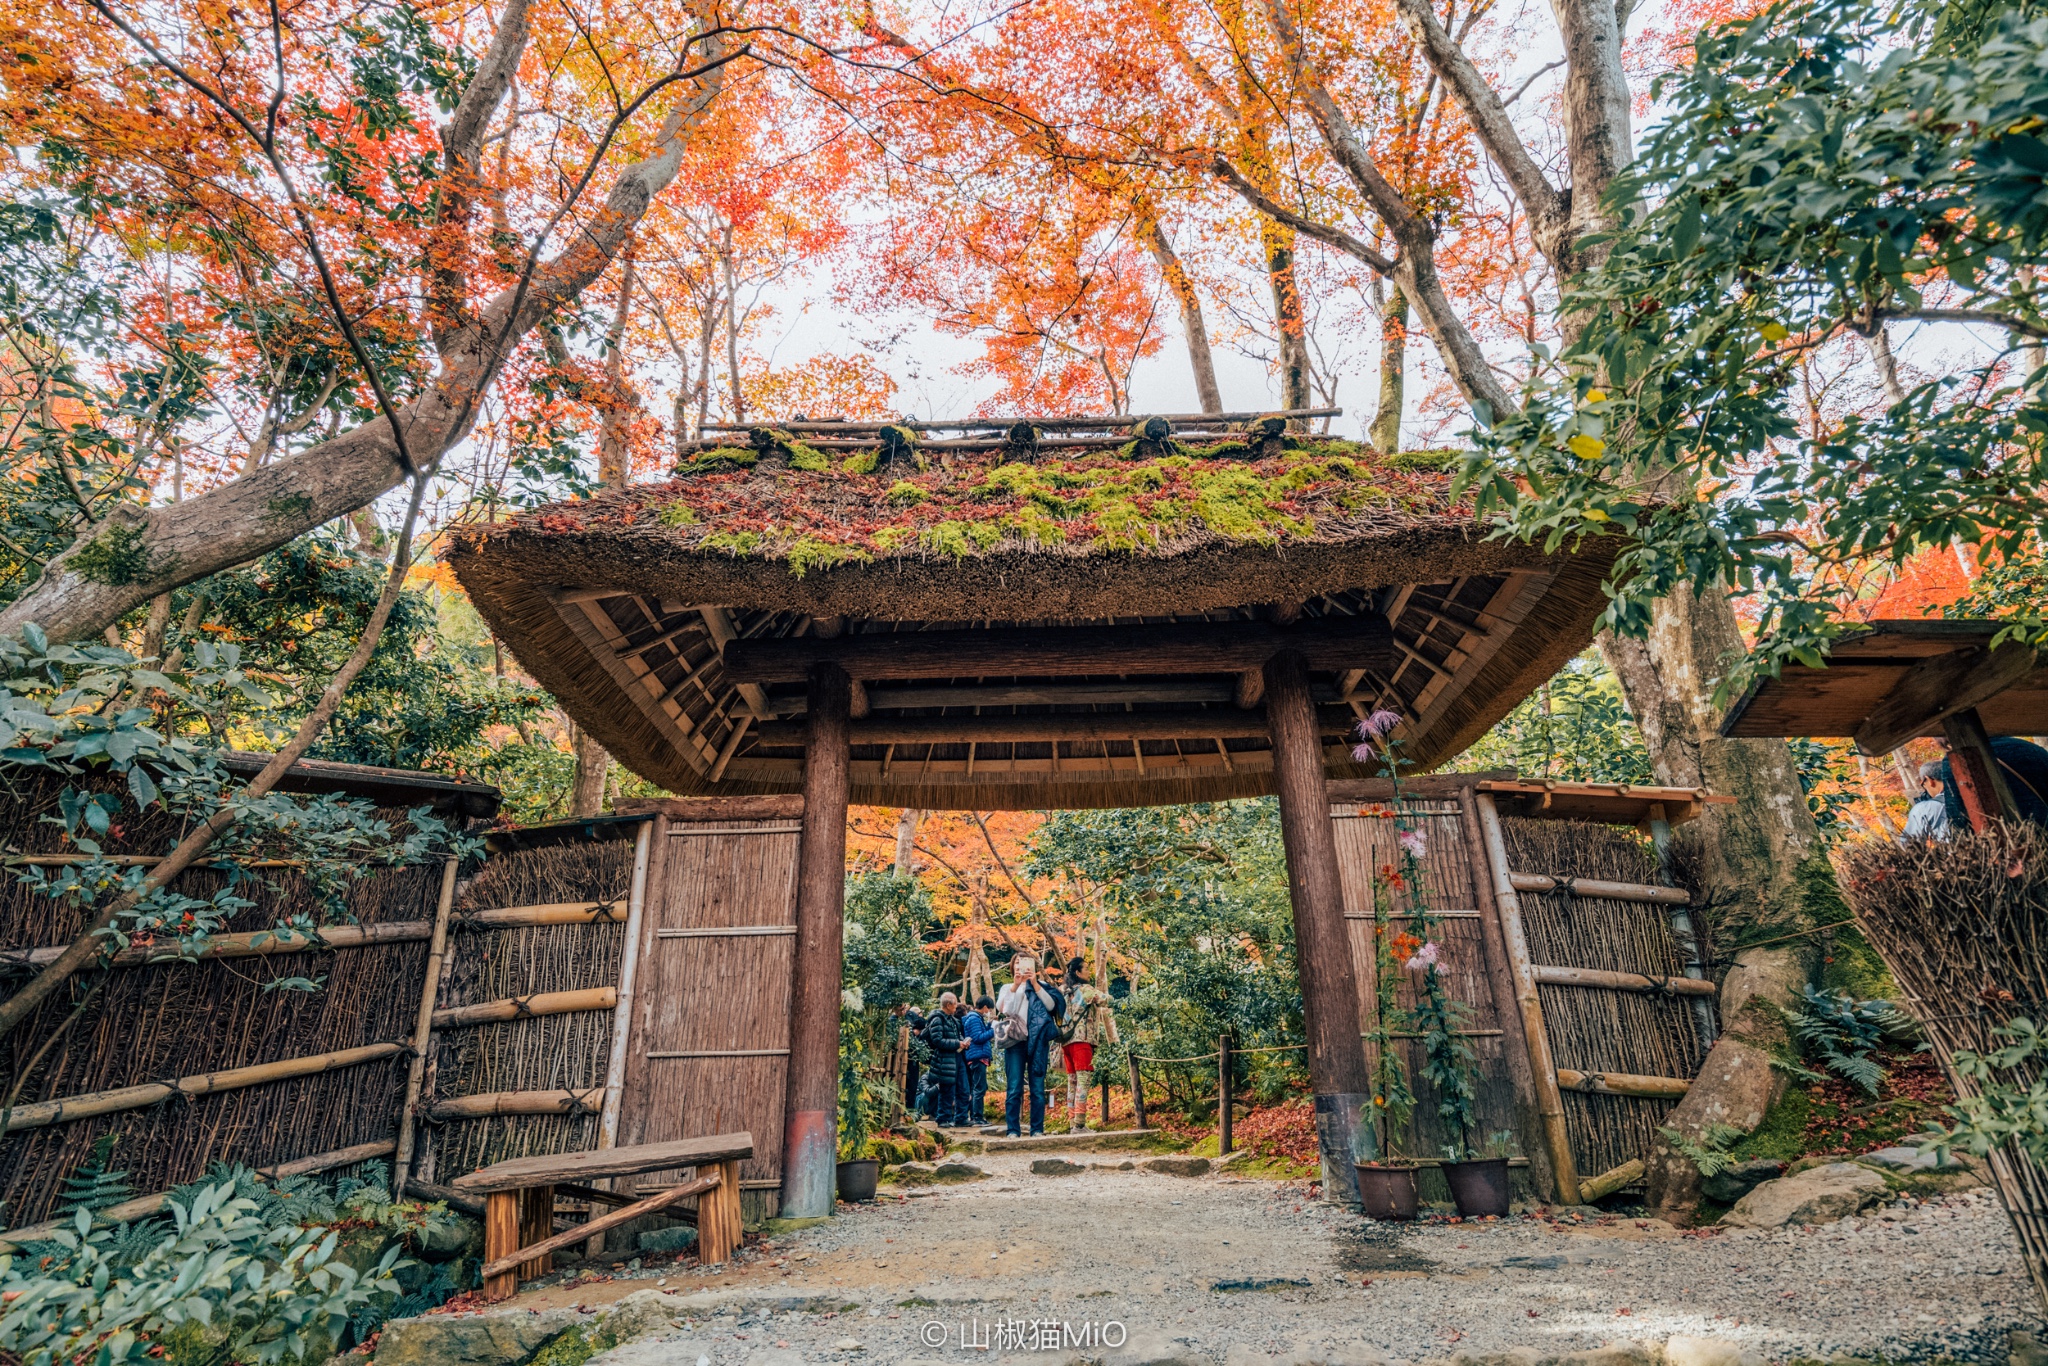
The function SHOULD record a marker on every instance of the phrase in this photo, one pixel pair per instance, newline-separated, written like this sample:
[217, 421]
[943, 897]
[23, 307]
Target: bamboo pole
[600, 1224]
[1607, 1183]
[1602, 891]
[1500, 985]
[1551, 976]
[142, 1206]
[622, 997]
[262, 943]
[45, 1113]
[523, 1007]
[1550, 1101]
[518, 1103]
[423, 1027]
[1622, 1084]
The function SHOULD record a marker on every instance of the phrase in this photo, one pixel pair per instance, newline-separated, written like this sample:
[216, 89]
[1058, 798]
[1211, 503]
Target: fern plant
[1710, 1152]
[91, 1186]
[1844, 1034]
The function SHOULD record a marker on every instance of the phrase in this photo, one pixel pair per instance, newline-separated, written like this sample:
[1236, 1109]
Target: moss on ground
[1782, 1135]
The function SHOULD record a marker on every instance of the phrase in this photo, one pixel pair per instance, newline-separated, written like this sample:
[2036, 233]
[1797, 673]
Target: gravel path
[1247, 1269]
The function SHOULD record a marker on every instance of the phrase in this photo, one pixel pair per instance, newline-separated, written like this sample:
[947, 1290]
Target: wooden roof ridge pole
[811, 1110]
[1542, 1066]
[423, 1027]
[1329, 981]
[1980, 782]
[1500, 981]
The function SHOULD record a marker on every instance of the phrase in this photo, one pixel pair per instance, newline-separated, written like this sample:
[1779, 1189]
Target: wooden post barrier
[1223, 1095]
[1137, 1090]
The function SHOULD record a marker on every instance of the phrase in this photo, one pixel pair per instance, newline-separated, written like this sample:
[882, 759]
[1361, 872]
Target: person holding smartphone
[1028, 1011]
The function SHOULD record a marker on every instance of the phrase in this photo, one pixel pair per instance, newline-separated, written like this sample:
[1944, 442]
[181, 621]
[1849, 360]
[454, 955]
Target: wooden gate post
[1979, 782]
[1329, 985]
[810, 1132]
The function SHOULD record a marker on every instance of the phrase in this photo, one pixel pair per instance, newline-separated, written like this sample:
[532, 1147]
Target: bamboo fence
[130, 1027]
[1626, 1035]
[564, 1052]
[1964, 928]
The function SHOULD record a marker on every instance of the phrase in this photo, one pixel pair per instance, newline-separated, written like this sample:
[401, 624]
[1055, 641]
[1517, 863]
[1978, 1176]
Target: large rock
[497, 1338]
[958, 1171]
[1732, 1183]
[1056, 1166]
[1178, 1166]
[1904, 1159]
[1818, 1195]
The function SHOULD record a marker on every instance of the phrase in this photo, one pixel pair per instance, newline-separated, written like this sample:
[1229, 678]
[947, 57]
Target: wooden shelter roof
[1032, 623]
[1892, 680]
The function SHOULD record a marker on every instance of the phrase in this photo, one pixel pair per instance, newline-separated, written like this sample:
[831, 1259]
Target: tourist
[2025, 767]
[943, 1035]
[980, 1048]
[1087, 1010]
[1029, 1013]
[1928, 818]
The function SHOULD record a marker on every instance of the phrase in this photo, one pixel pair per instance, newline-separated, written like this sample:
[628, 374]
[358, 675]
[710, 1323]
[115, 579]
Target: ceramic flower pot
[1387, 1192]
[1480, 1187]
[857, 1179]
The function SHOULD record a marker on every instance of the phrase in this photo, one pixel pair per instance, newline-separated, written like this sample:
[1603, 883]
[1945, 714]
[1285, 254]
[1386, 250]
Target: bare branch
[1307, 227]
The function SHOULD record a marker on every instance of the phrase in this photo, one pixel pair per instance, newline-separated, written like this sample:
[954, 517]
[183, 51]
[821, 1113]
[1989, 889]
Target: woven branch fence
[129, 1026]
[568, 1052]
[1964, 928]
[1605, 1031]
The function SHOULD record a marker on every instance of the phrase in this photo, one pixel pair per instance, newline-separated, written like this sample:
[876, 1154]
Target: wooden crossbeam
[1603, 891]
[1223, 647]
[44, 1113]
[518, 1103]
[956, 730]
[1937, 688]
[585, 1232]
[1622, 1084]
[520, 1007]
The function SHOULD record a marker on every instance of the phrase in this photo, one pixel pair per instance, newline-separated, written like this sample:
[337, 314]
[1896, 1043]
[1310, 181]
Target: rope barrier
[1211, 1057]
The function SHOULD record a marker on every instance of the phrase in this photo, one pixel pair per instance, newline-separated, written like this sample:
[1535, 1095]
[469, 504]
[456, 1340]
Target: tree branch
[1964, 315]
[462, 150]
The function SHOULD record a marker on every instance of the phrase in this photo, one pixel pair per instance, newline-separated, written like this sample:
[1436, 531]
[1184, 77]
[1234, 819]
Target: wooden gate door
[1473, 964]
[708, 1048]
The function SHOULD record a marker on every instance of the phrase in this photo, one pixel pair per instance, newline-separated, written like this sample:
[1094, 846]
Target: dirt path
[1245, 1270]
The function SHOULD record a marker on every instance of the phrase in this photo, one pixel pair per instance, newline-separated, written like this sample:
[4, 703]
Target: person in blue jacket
[1033, 1007]
[2025, 765]
[980, 1048]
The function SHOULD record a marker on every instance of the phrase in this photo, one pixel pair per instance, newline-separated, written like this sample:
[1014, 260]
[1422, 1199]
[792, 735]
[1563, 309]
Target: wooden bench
[519, 1202]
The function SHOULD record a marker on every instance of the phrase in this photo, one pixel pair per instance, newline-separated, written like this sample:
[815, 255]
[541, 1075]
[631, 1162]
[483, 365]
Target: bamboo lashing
[142, 1206]
[44, 1113]
[524, 1007]
[1553, 976]
[1622, 1084]
[1602, 891]
[261, 943]
[423, 1027]
[1549, 1100]
[584, 1232]
[585, 1101]
[1607, 1183]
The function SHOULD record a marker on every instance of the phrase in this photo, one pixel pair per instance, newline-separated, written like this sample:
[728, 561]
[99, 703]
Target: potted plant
[1479, 1184]
[858, 1172]
[1386, 1182]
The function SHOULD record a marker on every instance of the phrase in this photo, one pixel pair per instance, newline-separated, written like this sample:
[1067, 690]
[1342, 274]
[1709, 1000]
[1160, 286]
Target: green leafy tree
[1575, 728]
[1825, 171]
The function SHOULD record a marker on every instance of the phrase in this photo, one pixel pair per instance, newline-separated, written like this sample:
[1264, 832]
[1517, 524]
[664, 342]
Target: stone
[914, 1171]
[958, 1171]
[656, 1351]
[446, 1235]
[1124, 1166]
[679, 1238]
[1155, 1349]
[488, 1339]
[847, 1345]
[1818, 1195]
[1178, 1166]
[1905, 1159]
[1685, 1351]
[1553, 1262]
[1055, 1166]
[2026, 1349]
[1732, 1183]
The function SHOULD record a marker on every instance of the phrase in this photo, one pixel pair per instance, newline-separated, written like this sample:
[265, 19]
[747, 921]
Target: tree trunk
[1385, 434]
[1277, 239]
[155, 550]
[1192, 323]
[906, 837]
[1751, 860]
[587, 797]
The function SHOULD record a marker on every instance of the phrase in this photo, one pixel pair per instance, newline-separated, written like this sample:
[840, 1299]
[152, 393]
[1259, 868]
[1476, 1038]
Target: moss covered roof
[810, 509]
